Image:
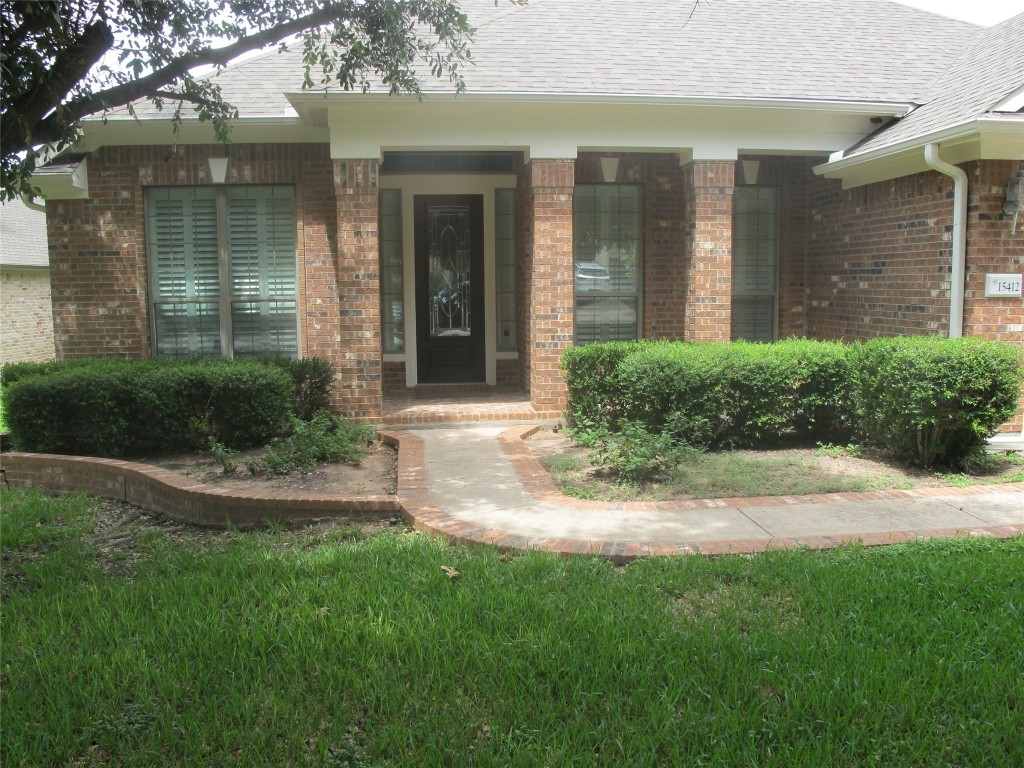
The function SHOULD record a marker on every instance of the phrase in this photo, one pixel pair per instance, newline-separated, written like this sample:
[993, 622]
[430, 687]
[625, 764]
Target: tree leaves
[58, 65]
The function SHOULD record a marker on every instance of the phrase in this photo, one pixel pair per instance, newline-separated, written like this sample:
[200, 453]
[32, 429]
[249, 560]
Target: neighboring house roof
[22, 236]
[988, 72]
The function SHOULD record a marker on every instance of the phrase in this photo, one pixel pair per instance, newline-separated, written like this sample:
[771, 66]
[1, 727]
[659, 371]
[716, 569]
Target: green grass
[327, 650]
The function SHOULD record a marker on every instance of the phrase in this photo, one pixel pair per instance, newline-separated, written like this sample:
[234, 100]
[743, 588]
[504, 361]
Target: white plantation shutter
[261, 255]
[258, 309]
[185, 281]
[755, 262]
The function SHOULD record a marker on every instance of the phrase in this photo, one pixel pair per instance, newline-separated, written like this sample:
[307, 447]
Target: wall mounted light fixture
[610, 169]
[218, 169]
[1014, 201]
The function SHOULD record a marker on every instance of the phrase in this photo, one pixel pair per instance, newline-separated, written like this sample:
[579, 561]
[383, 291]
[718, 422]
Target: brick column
[548, 294]
[357, 389]
[709, 281]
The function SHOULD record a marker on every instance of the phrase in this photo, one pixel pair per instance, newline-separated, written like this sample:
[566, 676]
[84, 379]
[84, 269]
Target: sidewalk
[482, 485]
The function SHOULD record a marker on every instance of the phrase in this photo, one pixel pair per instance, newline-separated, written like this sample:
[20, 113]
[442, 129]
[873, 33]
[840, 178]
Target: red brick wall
[357, 350]
[709, 278]
[879, 257]
[524, 282]
[508, 374]
[547, 298]
[393, 376]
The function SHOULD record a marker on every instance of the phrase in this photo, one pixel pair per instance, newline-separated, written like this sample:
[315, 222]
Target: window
[607, 256]
[392, 292]
[755, 246]
[223, 270]
[505, 263]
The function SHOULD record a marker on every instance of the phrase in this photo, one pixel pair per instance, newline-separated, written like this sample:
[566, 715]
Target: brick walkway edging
[420, 511]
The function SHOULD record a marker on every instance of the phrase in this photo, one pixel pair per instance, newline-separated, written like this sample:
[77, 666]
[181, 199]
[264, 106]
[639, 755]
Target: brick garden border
[180, 498]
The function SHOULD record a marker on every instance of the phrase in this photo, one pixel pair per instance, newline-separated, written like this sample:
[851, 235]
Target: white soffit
[715, 130]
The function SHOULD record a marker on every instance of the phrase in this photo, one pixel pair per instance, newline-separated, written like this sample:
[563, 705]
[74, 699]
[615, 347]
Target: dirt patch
[571, 467]
[375, 474]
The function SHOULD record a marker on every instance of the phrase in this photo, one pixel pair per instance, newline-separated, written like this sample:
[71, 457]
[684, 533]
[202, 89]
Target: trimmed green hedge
[114, 407]
[936, 400]
[313, 378]
[928, 399]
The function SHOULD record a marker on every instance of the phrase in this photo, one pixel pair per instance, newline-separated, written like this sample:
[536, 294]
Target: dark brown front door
[449, 288]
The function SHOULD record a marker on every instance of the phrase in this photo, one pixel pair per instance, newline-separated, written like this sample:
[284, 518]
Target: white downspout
[958, 272]
[29, 201]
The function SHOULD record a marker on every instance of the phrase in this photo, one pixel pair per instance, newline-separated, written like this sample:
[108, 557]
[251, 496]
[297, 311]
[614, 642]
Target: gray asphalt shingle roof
[988, 71]
[871, 50]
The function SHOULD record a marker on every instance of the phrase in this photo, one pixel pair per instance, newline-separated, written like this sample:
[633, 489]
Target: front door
[449, 288]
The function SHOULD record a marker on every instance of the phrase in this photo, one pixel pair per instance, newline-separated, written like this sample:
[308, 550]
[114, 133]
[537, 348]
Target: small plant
[849, 450]
[326, 438]
[633, 453]
[226, 457]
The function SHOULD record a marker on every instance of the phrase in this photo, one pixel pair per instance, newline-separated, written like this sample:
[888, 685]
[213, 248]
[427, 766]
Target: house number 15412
[1003, 285]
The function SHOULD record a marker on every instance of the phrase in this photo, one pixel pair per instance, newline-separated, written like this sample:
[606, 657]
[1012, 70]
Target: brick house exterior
[695, 208]
[26, 319]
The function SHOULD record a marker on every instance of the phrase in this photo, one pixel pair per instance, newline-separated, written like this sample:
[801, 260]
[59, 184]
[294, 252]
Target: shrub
[325, 438]
[631, 452]
[113, 407]
[935, 400]
[313, 378]
[588, 378]
[824, 398]
[710, 394]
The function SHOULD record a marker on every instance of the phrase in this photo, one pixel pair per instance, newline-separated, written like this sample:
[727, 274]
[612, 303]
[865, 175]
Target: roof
[871, 50]
[987, 72]
[22, 236]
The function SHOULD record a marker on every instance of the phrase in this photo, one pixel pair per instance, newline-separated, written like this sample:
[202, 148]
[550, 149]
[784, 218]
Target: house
[26, 320]
[760, 169]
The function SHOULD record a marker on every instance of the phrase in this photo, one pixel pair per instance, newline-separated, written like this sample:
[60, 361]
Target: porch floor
[449, 405]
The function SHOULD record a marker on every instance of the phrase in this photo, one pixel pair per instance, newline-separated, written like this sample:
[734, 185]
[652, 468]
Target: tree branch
[23, 115]
[51, 127]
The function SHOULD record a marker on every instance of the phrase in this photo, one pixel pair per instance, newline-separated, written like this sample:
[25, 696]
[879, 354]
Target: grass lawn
[134, 643]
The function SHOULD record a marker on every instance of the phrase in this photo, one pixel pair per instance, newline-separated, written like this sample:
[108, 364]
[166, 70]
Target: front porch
[459, 404]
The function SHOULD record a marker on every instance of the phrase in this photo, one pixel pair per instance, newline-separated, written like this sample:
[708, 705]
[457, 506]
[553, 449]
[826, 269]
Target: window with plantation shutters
[222, 270]
[755, 263]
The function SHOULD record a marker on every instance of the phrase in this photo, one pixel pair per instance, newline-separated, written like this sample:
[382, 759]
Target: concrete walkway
[486, 487]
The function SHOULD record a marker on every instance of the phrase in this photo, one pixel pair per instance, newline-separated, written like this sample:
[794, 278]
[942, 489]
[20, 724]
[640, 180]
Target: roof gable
[985, 74]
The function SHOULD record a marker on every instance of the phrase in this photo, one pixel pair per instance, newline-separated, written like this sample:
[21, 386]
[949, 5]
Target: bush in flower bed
[739, 394]
[114, 407]
[934, 400]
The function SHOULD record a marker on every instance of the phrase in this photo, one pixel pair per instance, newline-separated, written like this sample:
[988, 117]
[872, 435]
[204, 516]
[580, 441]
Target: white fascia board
[365, 128]
[69, 184]
[307, 100]
[262, 130]
[987, 138]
